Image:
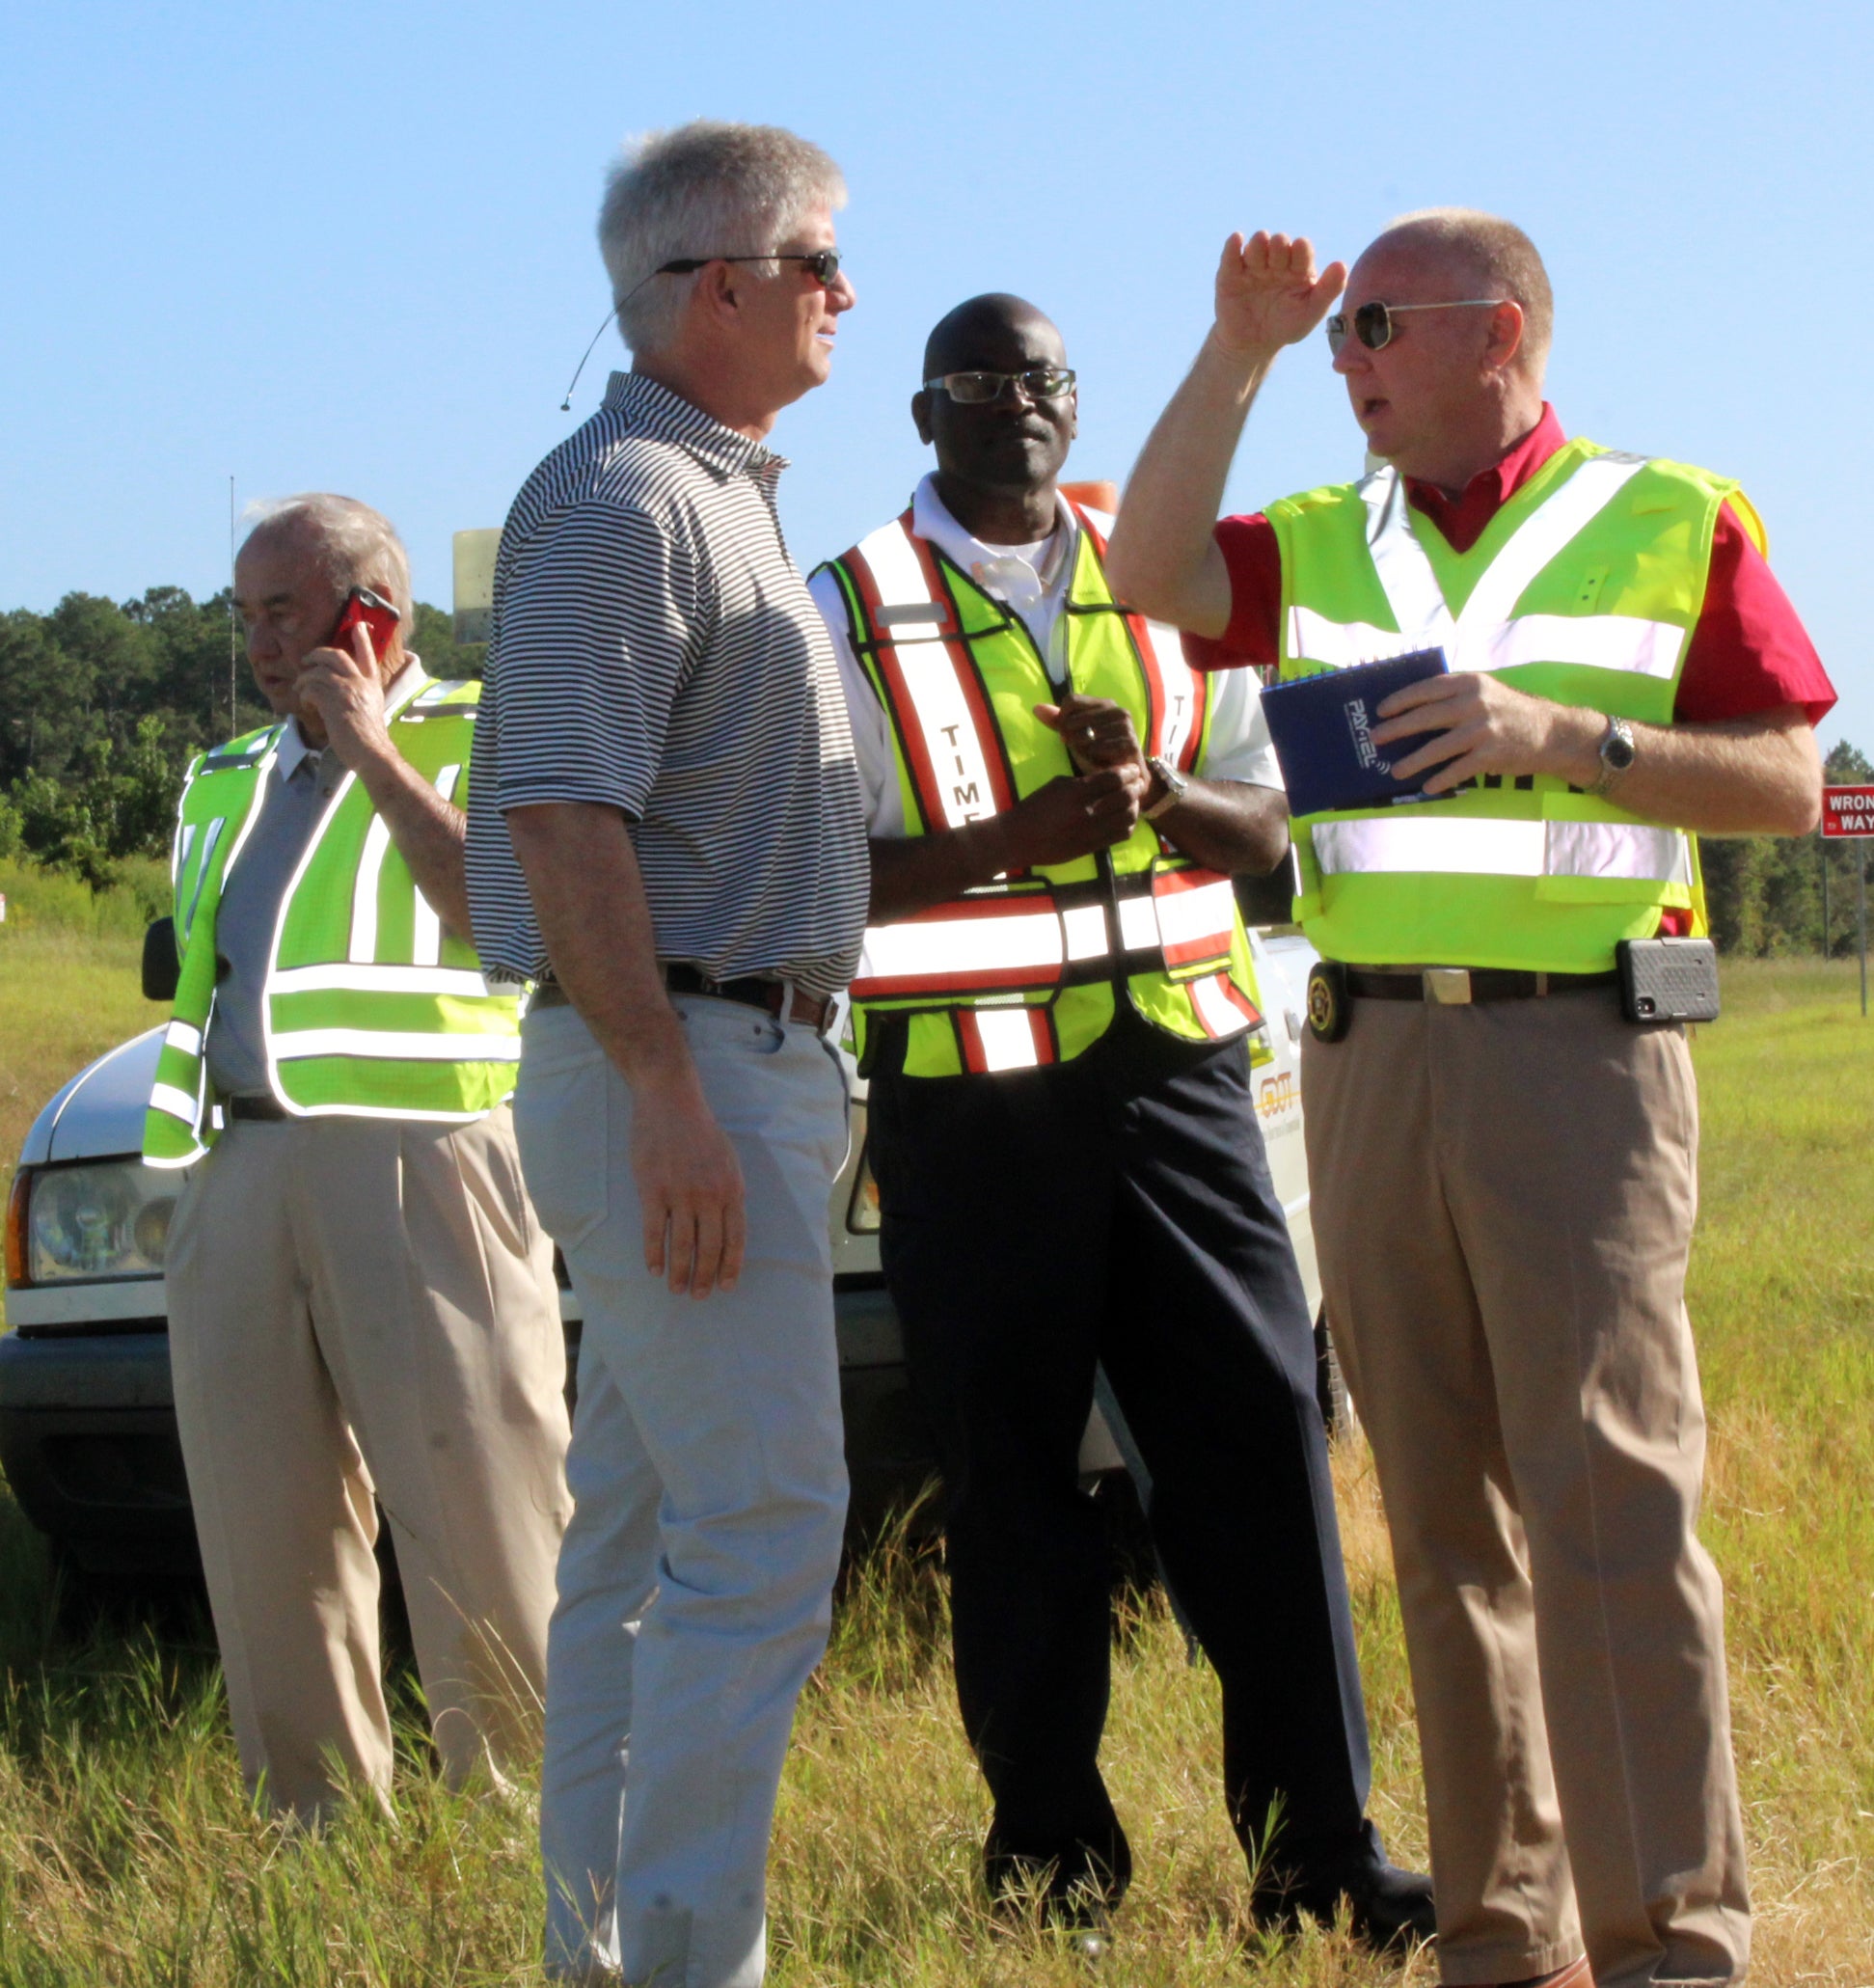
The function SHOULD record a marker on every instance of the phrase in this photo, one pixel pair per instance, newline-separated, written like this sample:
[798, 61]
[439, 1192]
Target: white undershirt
[1032, 582]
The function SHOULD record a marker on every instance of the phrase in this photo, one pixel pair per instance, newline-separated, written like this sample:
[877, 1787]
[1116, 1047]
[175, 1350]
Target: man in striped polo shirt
[668, 835]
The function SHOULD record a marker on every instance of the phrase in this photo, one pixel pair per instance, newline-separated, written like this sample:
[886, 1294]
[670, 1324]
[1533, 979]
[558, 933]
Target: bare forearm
[431, 835]
[589, 895]
[1162, 557]
[1742, 777]
[1228, 825]
[909, 874]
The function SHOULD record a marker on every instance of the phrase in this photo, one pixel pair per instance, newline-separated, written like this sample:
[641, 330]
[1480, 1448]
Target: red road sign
[1847, 811]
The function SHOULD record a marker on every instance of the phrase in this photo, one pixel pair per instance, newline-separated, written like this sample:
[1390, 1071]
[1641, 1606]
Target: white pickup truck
[88, 1435]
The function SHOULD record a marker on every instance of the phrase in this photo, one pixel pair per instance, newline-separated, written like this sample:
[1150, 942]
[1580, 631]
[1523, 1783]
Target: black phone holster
[1668, 979]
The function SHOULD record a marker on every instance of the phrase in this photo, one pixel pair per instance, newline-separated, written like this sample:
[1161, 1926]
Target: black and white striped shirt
[655, 650]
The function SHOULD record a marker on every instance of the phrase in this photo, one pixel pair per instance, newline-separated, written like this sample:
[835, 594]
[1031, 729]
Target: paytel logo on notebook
[1361, 727]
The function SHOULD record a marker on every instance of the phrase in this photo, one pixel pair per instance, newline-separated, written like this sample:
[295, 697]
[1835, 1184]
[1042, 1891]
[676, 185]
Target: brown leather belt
[772, 996]
[1458, 986]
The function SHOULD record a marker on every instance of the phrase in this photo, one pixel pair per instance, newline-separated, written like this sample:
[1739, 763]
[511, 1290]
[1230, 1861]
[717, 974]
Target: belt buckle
[1448, 986]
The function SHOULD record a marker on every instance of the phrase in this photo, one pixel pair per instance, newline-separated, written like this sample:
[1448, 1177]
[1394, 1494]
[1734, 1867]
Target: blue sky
[351, 247]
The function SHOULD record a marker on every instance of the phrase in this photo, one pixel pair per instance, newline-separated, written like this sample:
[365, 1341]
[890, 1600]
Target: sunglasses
[1372, 323]
[824, 263]
[978, 388]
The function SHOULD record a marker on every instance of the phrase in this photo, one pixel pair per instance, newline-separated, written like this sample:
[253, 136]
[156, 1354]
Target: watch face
[1617, 750]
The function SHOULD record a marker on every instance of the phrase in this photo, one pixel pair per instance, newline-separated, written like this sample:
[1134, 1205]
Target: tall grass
[127, 1854]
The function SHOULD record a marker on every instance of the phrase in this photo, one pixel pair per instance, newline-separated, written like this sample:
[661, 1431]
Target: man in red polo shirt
[1504, 1167]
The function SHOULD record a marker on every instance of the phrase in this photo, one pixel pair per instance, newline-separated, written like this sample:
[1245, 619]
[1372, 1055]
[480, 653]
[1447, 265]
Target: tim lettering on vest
[1058, 1008]
[1503, 1158]
[362, 1304]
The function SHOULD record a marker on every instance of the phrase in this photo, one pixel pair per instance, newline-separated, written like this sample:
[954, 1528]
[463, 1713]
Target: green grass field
[127, 1855]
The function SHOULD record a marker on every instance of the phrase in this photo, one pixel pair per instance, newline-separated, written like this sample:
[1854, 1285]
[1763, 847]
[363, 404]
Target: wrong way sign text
[1847, 811]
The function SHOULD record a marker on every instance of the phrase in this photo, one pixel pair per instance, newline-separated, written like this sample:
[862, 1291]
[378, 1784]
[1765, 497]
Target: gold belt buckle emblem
[1447, 986]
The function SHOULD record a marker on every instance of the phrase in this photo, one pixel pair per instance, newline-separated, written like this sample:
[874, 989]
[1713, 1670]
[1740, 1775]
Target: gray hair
[706, 188]
[354, 545]
[1497, 256]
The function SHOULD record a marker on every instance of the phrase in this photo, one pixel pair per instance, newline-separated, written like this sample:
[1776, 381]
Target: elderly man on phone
[362, 1304]
[671, 839]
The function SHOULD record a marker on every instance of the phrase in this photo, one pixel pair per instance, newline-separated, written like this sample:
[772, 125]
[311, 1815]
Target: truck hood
[98, 1115]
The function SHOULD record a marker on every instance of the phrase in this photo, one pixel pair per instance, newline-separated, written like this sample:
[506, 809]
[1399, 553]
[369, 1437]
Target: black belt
[1456, 986]
[264, 1110]
[750, 992]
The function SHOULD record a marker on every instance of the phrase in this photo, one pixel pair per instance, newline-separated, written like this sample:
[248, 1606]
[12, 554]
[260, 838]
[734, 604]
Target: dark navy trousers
[1118, 1210]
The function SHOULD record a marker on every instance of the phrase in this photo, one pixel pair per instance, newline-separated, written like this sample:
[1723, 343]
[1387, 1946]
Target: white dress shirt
[1032, 582]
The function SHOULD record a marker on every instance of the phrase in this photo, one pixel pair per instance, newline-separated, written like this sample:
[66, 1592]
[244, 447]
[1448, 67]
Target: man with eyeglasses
[667, 837]
[1058, 1012]
[1504, 1164]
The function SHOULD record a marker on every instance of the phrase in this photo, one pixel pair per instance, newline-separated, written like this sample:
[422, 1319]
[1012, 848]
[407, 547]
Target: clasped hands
[1095, 806]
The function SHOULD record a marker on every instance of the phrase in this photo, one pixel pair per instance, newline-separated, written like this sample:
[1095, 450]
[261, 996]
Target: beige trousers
[1504, 1198]
[362, 1312]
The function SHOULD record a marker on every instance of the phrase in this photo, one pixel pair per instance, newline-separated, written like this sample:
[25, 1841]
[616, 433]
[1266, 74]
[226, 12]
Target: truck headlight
[84, 1223]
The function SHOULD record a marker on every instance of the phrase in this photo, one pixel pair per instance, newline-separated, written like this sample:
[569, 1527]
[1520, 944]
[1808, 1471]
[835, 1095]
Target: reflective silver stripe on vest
[175, 1103]
[1220, 1014]
[403, 1045]
[1195, 920]
[1176, 676]
[184, 1036]
[1600, 642]
[1469, 845]
[1488, 634]
[1178, 924]
[1008, 1038]
[938, 708]
[354, 976]
[991, 947]
[426, 938]
[364, 888]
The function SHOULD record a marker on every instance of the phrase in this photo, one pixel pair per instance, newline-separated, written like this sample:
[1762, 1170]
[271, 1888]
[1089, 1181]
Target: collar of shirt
[1024, 577]
[1462, 518]
[294, 753]
[648, 403]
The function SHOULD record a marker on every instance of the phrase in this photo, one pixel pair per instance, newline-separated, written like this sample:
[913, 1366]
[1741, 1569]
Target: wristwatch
[1175, 786]
[1617, 752]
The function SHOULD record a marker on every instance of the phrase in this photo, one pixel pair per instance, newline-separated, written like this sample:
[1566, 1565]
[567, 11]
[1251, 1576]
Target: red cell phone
[370, 611]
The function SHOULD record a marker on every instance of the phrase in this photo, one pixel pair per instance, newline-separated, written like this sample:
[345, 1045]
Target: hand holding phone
[370, 611]
[342, 694]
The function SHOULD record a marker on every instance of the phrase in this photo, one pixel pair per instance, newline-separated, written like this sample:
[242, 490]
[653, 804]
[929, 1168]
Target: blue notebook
[1321, 729]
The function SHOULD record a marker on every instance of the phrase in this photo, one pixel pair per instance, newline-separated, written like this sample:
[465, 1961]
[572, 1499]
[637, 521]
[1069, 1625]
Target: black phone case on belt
[1668, 979]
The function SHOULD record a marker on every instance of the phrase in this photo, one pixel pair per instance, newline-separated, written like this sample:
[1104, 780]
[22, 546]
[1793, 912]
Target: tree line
[104, 703]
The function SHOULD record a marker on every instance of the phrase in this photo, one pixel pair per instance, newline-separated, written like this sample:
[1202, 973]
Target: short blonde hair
[354, 545]
[706, 188]
[1499, 259]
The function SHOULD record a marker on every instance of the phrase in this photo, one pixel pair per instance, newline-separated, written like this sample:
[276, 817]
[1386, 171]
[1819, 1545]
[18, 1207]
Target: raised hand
[1268, 294]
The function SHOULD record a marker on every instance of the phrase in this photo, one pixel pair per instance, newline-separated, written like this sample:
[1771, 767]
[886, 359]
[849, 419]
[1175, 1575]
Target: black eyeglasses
[1372, 323]
[976, 389]
[822, 263]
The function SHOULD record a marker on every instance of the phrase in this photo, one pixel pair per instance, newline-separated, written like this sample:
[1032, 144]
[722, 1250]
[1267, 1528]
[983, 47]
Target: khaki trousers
[363, 1311]
[1504, 1197]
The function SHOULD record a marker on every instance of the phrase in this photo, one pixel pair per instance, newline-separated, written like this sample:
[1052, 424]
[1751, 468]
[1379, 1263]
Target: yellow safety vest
[370, 1009]
[1022, 971]
[1585, 589]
